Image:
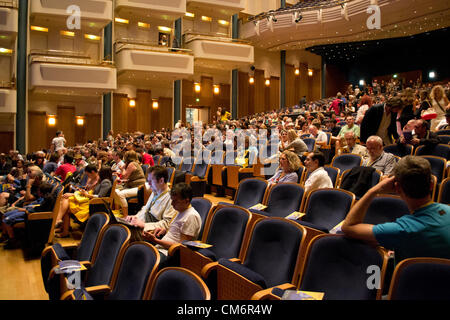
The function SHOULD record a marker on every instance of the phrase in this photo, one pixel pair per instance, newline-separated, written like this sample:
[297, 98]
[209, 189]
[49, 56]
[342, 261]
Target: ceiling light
[41, 29]
[267, 83]
[144, 25]
[197, 87]
[5, 51]
[155, 104]
[223, 22]
[205, 18]
[164, 29]
[132, 103]
[189, 14]
[432, 75]
[310, 72]
[51, 120]
[80, 121]
[67, 33]
[251, 80]
[92, 37]
[119, 20]
[297, 71]
[216, 89]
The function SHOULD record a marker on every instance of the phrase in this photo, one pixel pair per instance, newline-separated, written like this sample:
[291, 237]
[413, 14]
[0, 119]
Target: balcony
[218, 53]
[94, 14]
[8, 97]
[8, 21]
[70, 73]
[224, 7]
[143, 62]
[160, 9]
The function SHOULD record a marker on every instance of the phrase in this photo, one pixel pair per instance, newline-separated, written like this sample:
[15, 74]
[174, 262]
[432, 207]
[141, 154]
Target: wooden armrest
[100, 289]
[100, 200]
[246, 170]
[197, 179]
[267, 294]
[213, 265]
[174, 248]
[40, 215]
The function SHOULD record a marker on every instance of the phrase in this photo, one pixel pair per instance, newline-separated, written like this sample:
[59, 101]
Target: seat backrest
[338, 267]
[113, 241]
[225, 229]
[300, 173]
[217, 157]
[187, 164]
[310, 143]
[284, 198]
[421, 279]
[443, 132]
[96, 224]
[440, 150]
[438, 166]
[201, 168]
[133, 274]
[174, 283]
[385, 208]
[156, 159]
[164, 160]
[328, 207]
[445, 138]
[250, 192]
[333, 173]
[273, 250]
[346, 161]
[444, 191]
[399, 150]
[203, 206]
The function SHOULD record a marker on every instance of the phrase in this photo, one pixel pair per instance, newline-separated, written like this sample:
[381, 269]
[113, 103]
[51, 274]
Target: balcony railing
[219, 37]
[66, 57]
[145, 45]
[8, 4]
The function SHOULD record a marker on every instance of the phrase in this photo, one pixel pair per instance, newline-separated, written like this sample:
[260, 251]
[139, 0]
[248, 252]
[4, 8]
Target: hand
[415, 141]
[386, 185]
[150, 236]
[159, 232]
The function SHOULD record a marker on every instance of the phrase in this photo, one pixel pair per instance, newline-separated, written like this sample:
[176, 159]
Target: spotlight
[297, 17]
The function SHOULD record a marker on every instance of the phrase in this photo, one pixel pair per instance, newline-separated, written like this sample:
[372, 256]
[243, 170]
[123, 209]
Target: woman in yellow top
[99, 184]
[225, 115]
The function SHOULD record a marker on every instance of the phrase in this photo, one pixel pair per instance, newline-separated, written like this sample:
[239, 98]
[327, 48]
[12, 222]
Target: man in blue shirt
[423, 233]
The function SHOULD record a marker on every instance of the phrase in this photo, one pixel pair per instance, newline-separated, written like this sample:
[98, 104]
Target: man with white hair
[379, 159]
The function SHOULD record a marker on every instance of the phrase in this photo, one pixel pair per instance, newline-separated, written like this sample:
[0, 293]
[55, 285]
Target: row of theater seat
[252, 256]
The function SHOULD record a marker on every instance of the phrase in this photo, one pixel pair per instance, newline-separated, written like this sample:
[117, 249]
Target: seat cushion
[244, 271]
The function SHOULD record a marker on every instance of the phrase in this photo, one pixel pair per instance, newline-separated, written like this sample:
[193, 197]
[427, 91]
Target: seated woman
[99, 185]
[287, 171]
[44, 202]
[133, 177]
[296, 144]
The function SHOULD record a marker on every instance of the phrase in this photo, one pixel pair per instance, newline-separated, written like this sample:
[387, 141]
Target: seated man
[184, 227]
[158, 211]
[379, 159]
[352, 146]
[319, 135]
[423, 233]
[318, 178]
[423, 136]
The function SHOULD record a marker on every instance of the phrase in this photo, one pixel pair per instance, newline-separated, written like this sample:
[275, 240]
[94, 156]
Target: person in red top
[146, 158]
[66, 167]
[335, 104]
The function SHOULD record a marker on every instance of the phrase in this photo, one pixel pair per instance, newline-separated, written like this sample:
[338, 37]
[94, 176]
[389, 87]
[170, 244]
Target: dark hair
[45, 188]
[159, 172]
[105, 173]
[183, 190]
[395, 102]
[91, 168]
[68, 157]
[414, 176]
[317, 155]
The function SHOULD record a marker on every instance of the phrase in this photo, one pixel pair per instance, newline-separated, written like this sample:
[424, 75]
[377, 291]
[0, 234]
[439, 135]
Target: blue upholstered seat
[338, 266]
[178, 284]
[421, 279]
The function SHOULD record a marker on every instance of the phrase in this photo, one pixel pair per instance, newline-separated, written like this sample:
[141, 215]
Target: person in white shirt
[319, 135]
[58, 142]
[318, 178]
[184, 227]
[158, 211]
